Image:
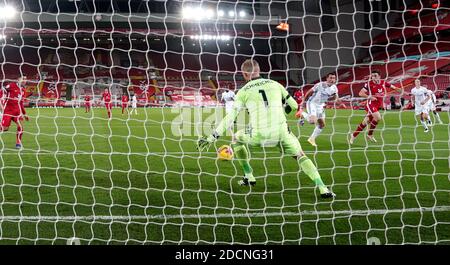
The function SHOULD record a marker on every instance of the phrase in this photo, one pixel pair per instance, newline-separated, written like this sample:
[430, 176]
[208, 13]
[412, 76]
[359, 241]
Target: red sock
[360, 128]
[19, 135]
[109, 114]
[372, 127]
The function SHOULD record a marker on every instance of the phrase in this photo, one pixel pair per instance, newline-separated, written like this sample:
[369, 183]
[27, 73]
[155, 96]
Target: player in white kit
[421, 97]
[432, 108]
[315, 99]
[134, 104]
[228, 99]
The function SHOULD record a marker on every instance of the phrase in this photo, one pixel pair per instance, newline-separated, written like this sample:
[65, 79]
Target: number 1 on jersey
[263, 94]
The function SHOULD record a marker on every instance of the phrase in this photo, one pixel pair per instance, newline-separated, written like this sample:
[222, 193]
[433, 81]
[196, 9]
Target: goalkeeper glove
[205, 142]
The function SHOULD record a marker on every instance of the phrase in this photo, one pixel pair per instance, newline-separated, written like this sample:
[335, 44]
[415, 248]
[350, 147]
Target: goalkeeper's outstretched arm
[205, 142]
[291, 105]
[289, 102]
[227, 122]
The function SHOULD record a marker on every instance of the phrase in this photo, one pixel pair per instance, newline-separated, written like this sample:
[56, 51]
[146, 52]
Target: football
[225, 152]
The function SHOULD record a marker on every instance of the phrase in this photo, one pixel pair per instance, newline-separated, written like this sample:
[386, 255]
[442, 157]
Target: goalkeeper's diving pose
[266, 101]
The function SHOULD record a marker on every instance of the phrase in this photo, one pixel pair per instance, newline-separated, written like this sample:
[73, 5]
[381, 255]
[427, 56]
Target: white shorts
[228, 107]
[134, 106]
[421, 109]
[316, 110]
[431, 106]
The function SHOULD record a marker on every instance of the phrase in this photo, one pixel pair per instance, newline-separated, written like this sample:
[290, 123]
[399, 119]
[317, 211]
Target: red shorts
[9, 116]
[87, 104]
[373, 106]
[108, 105]
[124, 105]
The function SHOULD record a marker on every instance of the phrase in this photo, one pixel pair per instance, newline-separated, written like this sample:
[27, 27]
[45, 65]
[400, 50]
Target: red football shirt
[124, 99]
[87, 98]
[377, 90]
[106, 97]
[298, 96]
[13, 97]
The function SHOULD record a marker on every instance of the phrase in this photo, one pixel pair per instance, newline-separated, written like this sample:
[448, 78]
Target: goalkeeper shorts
[285, 140]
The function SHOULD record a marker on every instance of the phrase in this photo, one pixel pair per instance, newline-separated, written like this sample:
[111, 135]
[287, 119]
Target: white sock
[316, 132]
[305, 115]
[437, 116]
[424, 124]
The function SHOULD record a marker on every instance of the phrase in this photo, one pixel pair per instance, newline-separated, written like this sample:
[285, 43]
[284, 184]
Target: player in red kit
[298, 96]
[374, 91]
[13, 108]
[124, 103]
[87, 103]
[106, 97]
[1, 101]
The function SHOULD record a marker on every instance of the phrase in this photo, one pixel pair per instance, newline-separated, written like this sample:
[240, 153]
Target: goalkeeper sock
[310, 169]
[242, 157]
[373, 125]
[316, 132]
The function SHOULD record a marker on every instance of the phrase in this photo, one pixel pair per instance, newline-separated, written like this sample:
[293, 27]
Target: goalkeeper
[266, 102]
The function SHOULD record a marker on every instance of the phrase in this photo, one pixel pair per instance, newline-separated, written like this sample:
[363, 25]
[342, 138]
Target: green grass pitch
[146, 184]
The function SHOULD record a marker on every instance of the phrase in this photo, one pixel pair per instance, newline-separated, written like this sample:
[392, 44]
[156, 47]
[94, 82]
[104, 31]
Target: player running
[316, 98]
[432, 108]
[134, 102]
[374, 91]
[421, 97]
[124, 103]
[87, 103]
[13, 108]
[264, 99]
[106, 97]
[298, 96]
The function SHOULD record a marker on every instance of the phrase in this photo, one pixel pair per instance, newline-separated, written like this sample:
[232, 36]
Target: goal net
[119, 92]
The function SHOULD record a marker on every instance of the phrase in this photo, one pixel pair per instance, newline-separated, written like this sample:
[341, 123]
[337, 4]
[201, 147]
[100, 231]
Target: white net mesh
[137, 177]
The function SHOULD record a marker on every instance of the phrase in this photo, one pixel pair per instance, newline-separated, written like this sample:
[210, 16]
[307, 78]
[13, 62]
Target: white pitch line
[222, 215]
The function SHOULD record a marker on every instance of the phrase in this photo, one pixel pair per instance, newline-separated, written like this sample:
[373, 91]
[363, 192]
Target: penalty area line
[223, 215]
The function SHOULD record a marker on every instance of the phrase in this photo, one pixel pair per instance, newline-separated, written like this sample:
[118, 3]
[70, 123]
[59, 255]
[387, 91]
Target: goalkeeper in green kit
[267, 102]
